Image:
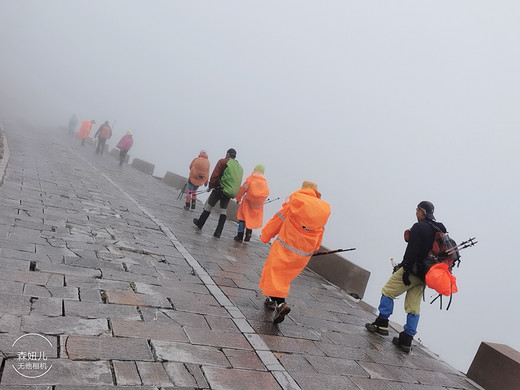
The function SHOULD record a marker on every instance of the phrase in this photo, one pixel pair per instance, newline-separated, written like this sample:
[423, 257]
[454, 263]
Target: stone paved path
[103, 273]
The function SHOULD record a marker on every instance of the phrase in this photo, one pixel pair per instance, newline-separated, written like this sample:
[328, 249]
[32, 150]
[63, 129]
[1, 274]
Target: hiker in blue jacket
[408, 277]
[219, 183]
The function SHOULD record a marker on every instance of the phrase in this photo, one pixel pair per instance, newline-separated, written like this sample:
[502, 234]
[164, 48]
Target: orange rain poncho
[199, 170]
[300, 225]
[84, 131]
[252, 194]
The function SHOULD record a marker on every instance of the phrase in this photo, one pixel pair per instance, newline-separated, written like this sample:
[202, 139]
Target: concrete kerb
[5, 155]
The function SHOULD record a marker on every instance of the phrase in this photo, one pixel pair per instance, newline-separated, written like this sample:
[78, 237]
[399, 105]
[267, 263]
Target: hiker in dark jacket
[408, 277]
[104, 132]
[217, 194]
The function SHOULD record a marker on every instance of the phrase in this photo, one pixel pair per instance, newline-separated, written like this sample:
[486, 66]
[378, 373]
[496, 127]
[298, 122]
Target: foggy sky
[383, 104]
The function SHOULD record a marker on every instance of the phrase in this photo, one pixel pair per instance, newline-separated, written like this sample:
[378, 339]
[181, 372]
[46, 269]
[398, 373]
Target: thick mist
[382, 104]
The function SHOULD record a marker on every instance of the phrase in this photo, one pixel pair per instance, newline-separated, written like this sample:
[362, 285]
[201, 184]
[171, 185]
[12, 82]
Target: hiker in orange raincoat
[299, 227]
[251, 197]
[199, 175]
[84, 130]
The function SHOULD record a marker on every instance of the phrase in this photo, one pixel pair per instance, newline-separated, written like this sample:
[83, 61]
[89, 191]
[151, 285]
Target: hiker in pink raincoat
[124, 145]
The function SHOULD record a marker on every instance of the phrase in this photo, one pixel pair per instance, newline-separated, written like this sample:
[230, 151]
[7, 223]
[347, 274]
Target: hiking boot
[239, 237]
[193, 202]
[378, 326]
[202, 219]
[220, 226]
[187, 206]
[281, 311]
[248, 235]
[269, 303]
[403, 342]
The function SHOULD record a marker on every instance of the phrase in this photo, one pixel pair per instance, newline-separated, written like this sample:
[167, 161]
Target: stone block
[65, 372]
[187, 353]
[174, 180]
[222, 379]
[126, 373]
[496, 367]
[341, 272]
[217, 338]
[153, 373]
[107, 348]
[64, 325]
[101, 310]
[15, 304]
[128, 297]
[143, 166]
[146, 330]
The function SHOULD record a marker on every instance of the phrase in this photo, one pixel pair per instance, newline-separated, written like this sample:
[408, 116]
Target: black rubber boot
[248, 235]
[378, 326]
[187, 206]
[403, 342]
[220, 226]
[239, 237]
[193, 202]
[202, 219]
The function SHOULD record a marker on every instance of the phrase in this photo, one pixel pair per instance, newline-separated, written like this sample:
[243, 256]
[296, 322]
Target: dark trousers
[122, 155]
[101, 145]
[217, 195]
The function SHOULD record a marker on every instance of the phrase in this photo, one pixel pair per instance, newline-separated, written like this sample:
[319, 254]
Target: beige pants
[414, 292]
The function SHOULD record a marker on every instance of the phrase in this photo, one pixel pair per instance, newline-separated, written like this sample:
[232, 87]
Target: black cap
[428, 209]
[232, 152]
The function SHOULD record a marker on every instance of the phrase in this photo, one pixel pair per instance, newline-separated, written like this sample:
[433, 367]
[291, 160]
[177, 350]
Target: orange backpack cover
[441, 279]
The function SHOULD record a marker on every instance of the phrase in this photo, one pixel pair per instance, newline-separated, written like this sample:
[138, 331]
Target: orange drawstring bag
[441, 279]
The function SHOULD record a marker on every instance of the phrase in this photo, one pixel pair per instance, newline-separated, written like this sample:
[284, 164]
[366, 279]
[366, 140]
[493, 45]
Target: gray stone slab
[153, 373]
[187, 353]
[222, 379]
[128, 297]
[15, 304]
[101, 310]
[51, 292]
[107, 348]
[248, 360]
[63, 372]
[69, 270]
[11, 344]
[64, 325]
[217, 338]
[313, 380]
[181, 376]
[126, 373]
[99, 284]
[51, 307]
[148, 330]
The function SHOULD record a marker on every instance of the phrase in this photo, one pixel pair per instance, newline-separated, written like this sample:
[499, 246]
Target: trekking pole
[332, 251]
[271, 200]
[463, 245]
[114, 125]
[182, 191]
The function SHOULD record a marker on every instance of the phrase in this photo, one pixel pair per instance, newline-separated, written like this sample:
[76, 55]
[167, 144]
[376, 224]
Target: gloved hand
[208, 190]
[406, 275]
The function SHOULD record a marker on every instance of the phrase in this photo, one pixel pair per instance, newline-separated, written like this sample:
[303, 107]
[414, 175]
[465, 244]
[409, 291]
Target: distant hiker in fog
[251, 198]
[124, 145]
[104, 132]
[84, 130]
[408, 277]
[73, 122]
[199, 175]
[299, 227]
[225, 182]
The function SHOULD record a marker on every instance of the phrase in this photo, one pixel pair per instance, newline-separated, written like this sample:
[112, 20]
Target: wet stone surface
[105, 263]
